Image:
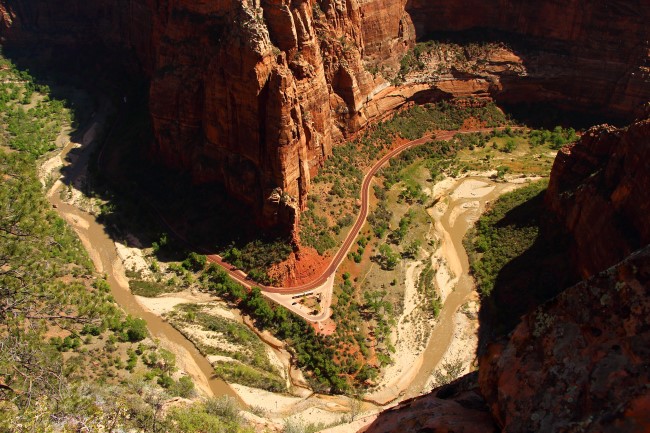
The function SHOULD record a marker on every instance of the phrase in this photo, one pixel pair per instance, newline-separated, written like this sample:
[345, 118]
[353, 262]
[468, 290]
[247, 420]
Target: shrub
[149, 289]
[183, 388]
[195, 262]
[136, 329]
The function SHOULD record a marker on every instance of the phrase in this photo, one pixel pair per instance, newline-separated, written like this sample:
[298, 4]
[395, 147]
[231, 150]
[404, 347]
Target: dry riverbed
[447, 344]
[447, 348]
[426, 349]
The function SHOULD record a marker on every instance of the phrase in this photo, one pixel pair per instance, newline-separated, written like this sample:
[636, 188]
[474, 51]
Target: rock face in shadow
[457, 407]
[599, 193]
[580, 362]
[254, 94]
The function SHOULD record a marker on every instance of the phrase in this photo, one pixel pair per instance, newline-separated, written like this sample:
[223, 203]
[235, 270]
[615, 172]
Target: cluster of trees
[313, 352]
[379, 219]
[435, 153]
[315, 232]
[494, 242]
[255, 258]
[31, 129]
[362, 242]
[353, 350]
[426, 286]
[418, 120]
[48, 287]
[556, 138]
[387, 258]
[342, 171]
[472, 140]
[253, 369]
[397, 236]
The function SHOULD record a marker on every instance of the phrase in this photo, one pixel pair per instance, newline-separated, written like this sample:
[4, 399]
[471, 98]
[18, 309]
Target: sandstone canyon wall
[580, 362]
[581, 54]
[599, 193]
[253, 94]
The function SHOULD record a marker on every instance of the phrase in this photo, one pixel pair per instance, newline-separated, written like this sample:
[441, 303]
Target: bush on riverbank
[517, 257]
[495, 240]
[314, 353]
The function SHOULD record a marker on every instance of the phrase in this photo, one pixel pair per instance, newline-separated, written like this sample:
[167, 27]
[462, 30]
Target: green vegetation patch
[246, 375]
[30, 119]
[496, 241]
[426, 286]
[211, 415]
[518, 257]
[148, 289]
[250, 364]
[315, 232]
[256, 257]
[340, 178]
[314, 353]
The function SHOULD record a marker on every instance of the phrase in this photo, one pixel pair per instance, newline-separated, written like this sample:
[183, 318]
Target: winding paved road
[324, 282]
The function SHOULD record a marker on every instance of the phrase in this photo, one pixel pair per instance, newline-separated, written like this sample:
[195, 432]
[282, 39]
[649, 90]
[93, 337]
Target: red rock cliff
[585, 54]
[254, 94]
[581, 361]
[599, 192]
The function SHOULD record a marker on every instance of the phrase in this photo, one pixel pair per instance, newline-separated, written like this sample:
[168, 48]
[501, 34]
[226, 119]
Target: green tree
[195, 262]
[412, 250]
[136, 329]
[387, 258]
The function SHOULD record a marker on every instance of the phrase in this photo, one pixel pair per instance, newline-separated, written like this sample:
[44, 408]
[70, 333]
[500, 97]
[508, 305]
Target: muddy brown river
[101, 249]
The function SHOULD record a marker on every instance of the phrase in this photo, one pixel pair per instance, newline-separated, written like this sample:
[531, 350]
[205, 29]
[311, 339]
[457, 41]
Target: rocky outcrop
[457, 407]
[253, 94]
[580, 362]
[599, 191]
[588, 55]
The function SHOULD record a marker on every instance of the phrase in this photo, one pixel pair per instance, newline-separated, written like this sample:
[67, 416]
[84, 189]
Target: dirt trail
[102, 251]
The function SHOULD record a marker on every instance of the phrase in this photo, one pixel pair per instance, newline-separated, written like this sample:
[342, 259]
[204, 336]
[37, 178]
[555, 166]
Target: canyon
[254, 94]
[578, 362]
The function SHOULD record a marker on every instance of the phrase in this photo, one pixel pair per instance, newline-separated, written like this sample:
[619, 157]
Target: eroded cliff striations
[253, 94]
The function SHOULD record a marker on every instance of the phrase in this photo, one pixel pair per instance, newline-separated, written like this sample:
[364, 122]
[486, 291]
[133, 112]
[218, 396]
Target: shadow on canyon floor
[157, 203]
[142, 198]
[530, 279]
